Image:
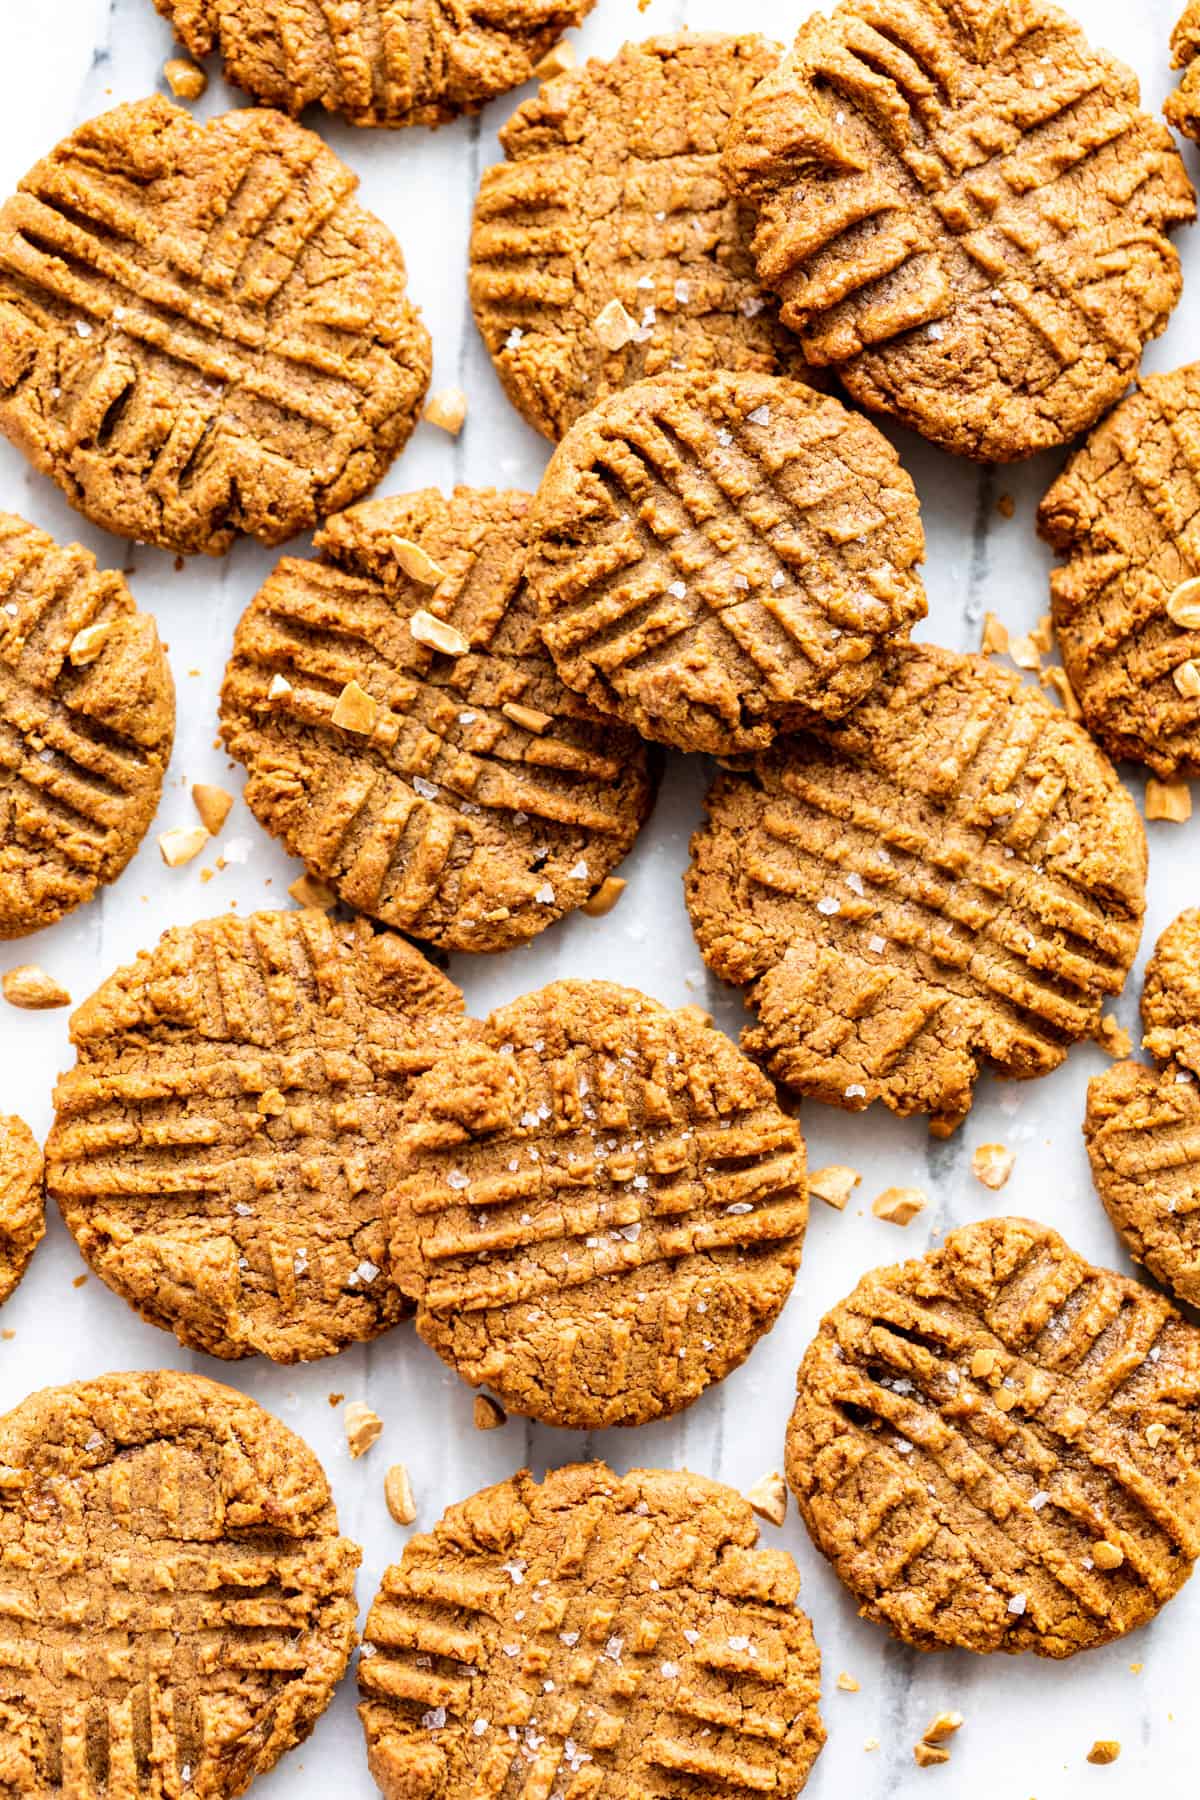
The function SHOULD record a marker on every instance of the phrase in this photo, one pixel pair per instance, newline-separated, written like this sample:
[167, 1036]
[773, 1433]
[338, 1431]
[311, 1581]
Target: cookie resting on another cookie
[178, 1605]
[964, 212]
[718, 558]
[473, 799]
[954, 875]
[201, 332]
[599, 1208]
[996, 1445]
[593, 1634]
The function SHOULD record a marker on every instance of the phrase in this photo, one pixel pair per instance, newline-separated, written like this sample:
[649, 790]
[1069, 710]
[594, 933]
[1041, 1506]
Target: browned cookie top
[22, 1204]
[88, 711]
[1127, 599]
[201, 332]
[179, 1606]
[413, 62]
[600, 1207]
[612, 197]
[996, 1445]
[592, 1635]
[222, 1148]
[1183, 106]
[953, 875]
[474, 799]
[721, 557]
[963, 210]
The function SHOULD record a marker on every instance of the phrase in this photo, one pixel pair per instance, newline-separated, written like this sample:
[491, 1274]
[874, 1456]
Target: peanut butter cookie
[222, 1148]
[608, 1636]
[201, 332]
[22, 1205]
[718, 558]
[954, 875]
[412, 63]
[996, 1446]
[600, 1207]
[89, 716]
[1127, 600]
[178, 1605]
[964, 211]
[474, 799]
[1143, 1125]
[606, 248]
[1183, 106]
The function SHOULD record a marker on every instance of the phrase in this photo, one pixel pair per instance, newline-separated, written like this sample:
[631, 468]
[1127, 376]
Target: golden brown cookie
[473, 799]
[201, 332]
[409, 63]
[22, 1204]
[1127, 600]
[996, 1445]
[88, 711]
[178, 1605]
[954, 875]
[1143, 1125]
[964, 211]
[1183, 106]
[721, 557]
[599, 1208]
[222, 1148]
[606, 248]
[593, 1635]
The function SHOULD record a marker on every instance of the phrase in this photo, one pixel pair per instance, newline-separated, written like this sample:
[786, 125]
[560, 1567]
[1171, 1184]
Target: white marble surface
[1028, 1724]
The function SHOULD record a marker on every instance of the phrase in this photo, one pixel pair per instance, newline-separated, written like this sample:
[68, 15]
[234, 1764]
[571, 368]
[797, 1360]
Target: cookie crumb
[1170, 800]
[363, 1428]
[489, 1414]
[927, 1756]
[310, 890]
[416, 563]
[1025, 652]
[1111, 1037]
[1006, 506]
[87, 644]
[336, 1399]
[993, 1164]
[1106, 1555]
[1056, 679]
[1104, 1751]
[428, 629]
[769, 1498]
[181, 844]
[942, 1726]
[899, 1206]
[213, 804]
[447, 409]
[834, 1184]
[614, 326]
[186, 80]
[32, 989]
[847, 1683]
[79, 1281]
[556, 61]
[995, 636]
[397, 1491]
[1183, 606]
[355, 710]
[605, 897]
[527, 717]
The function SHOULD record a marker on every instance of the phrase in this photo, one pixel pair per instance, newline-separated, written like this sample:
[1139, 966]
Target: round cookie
[611, 1636]
[951, 876]
[972, 1445]
[612, 198]
[417, 64]
[1127, 600]
[478, 799]
[1183, 106]
[1142, 1126]
[718, 558]
[179, 1606]
[964, 212]
[599, 1207]
[222, 1148]
[89, 717]
[201, 332]
[22, 1206]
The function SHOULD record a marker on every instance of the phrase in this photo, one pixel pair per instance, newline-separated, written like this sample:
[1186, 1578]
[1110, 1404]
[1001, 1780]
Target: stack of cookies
[702, 266]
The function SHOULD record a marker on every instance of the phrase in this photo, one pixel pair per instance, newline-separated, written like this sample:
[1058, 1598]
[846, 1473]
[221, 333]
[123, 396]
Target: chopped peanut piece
[1106, 1555]
[834, 1185]
[397, 1491]
[428, 629]
[1104, 1751]
[213, 804]
[363, 1428]
[768, 1497]
[1025, 653]
[181, 844]
[447, 409]
[280, 685]
[1111, 1037]
[983, 1363]
[87, 644]
[926, 1756]
[615, 327]
[354, 710]
[1043, 634]
[556, 61]
[489, 1414]
[995, 636]
[186, 80]
[847, 1683]
[416, 563]
[993, 1164]
[605, 897]
[271, 1103]
[870, 1743]
[1187, 680]
[899, 1206]
[309, 890]
[527, 717]
[1057, 679]
[1183, 606]
[1171, 800]
[942, 1726]
[32, 989]
[1155, 1435]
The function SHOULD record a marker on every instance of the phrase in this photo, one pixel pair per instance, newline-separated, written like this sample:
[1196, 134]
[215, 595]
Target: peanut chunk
[942, 1726]
[1187, 680]
[397, 1491]
[899, 1206]
[768, 1497]
[556, 61]
[1104, 1751]
[309, 890]
[995, 636]
[1106, 1555]
[354, 710]
[527, 717]
[1043, 634]
[993, 1164]
[605, 897]
[87, 644]
[489, 1414]
[428, 629]
[447, 409]
[927, 1756]
[834, 1185]
[186, 80]
[363, 1427]
[181, 844]
[1183, 606]
[280, 686]
[615, 327]
[983, 1363]
[1058, 680]
[1025, 653]
[213, 804]
[416, 563]
[1171, 800]
[32, 989]
[1155, 1435]
[847, 1683]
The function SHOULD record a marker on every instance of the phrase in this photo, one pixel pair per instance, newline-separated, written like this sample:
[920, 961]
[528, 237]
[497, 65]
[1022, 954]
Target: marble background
[1028, 1724]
